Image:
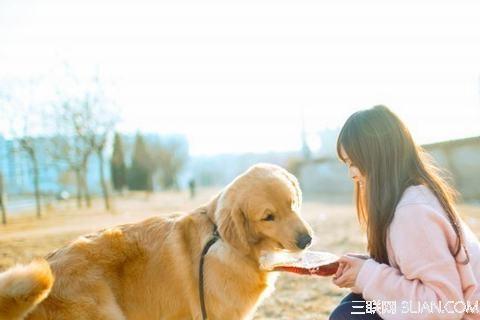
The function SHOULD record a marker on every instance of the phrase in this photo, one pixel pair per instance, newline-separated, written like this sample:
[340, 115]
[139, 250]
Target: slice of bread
[310, 262]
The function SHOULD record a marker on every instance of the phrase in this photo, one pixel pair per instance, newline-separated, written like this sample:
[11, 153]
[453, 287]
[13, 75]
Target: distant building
[461, 158]
[17, 171]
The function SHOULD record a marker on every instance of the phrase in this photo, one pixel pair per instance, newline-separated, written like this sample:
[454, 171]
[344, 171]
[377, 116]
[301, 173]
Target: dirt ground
[295, 297]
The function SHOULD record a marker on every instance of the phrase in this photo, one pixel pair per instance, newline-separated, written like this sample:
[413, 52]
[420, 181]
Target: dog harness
[215, 237]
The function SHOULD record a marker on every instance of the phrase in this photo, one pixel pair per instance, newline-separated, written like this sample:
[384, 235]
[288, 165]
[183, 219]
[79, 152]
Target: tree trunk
[79, 187]
[106, 196]
[2, 208]
[84, 173]
[36, 183]
[86, 191]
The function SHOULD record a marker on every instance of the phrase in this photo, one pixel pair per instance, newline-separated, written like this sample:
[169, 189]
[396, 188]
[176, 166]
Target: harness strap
[210, 242]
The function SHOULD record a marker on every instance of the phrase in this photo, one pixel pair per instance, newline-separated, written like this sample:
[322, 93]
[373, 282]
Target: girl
[424, 262]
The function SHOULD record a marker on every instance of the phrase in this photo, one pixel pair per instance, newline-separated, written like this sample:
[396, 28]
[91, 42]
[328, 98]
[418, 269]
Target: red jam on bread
[310, 263]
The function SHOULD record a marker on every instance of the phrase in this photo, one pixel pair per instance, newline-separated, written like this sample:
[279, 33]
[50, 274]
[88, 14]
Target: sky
[240, 75]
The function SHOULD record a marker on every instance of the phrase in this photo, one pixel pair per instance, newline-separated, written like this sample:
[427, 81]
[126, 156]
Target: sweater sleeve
[427, 272]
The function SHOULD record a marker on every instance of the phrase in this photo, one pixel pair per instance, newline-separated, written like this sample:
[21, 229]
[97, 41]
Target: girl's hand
[348, 271]
[340, 270]
[343, 265]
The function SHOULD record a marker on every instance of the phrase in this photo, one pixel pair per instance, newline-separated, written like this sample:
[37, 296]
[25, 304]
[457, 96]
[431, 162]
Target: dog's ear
[232, 226]
[296, 186]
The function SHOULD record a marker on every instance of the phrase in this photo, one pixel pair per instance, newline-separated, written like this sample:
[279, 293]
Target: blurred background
[115, 110]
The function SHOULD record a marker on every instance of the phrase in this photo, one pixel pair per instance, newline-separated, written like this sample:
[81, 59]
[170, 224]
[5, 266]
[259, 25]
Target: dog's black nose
[303, 240]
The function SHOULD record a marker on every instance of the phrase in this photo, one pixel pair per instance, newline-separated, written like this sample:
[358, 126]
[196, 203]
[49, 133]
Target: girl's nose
[352, 174]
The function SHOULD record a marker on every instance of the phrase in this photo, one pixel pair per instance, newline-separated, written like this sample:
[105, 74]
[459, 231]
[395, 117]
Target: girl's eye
[269, 217]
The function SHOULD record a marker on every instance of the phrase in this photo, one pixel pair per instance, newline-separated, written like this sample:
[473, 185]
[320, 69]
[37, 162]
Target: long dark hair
[381, 147]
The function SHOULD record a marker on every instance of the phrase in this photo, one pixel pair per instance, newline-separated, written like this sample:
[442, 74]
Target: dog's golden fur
[149, 270]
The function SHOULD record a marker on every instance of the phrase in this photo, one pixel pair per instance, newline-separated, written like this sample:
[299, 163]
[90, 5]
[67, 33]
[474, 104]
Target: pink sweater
[423, 277]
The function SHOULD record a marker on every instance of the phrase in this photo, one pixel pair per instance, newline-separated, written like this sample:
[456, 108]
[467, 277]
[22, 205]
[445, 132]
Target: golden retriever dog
[150, 270]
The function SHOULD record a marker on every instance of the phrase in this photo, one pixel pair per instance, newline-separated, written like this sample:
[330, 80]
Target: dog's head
[260, 211]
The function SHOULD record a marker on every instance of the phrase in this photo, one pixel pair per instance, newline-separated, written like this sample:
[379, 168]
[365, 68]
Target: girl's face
[353, 171]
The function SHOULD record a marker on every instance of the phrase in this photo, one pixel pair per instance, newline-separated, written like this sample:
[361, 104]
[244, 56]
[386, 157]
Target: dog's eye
[269, 217]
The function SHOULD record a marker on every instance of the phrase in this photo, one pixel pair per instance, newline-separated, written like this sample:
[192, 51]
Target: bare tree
[170, 155]
[67, 145]
[3, 97]
[87, 125]
[98, 125]
[22, 110]
[28, 145]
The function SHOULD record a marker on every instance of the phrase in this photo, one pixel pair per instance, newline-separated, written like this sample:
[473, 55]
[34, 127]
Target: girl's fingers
[344, 280]
[339, 270]
[340, 281]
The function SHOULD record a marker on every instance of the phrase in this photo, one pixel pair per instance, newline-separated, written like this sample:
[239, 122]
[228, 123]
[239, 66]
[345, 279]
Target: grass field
[296, 297]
